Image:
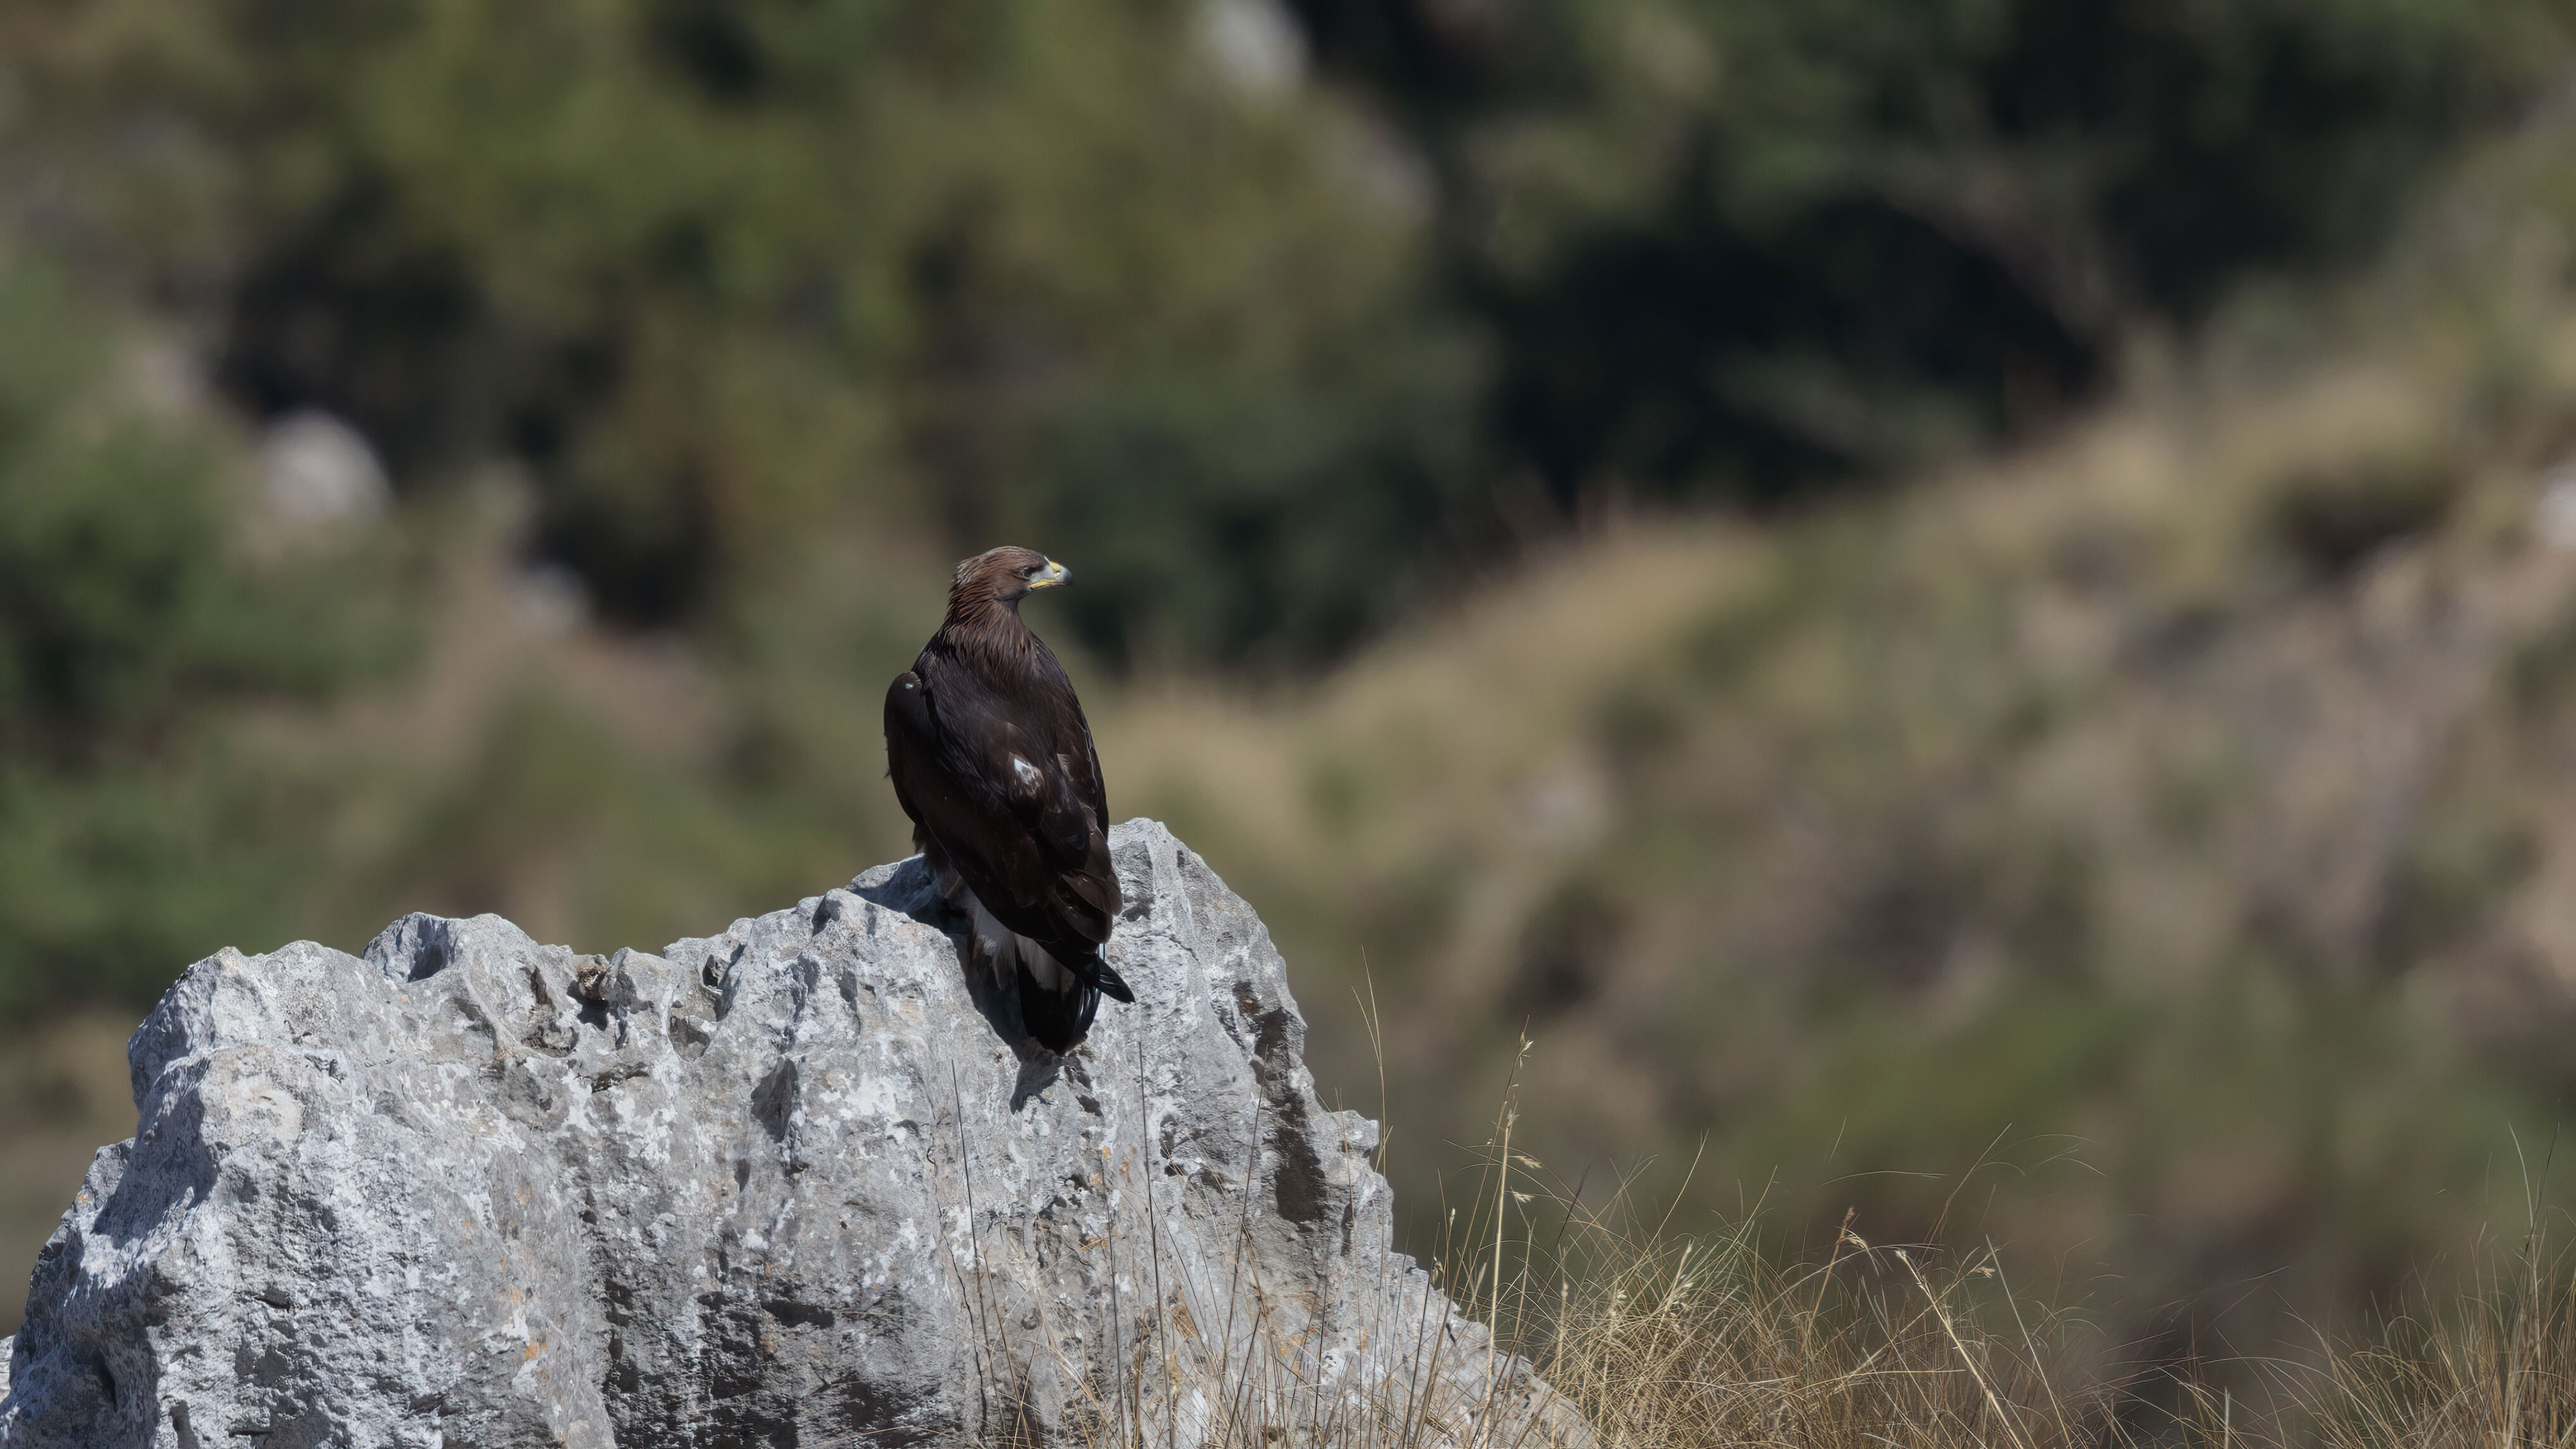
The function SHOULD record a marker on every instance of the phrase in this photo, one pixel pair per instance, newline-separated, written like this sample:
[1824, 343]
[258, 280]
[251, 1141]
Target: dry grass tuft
[2492, 1366]
[1668, 1340]
[1707, 1342]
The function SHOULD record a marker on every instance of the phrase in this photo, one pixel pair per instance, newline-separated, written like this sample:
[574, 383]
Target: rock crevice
[786, 1185]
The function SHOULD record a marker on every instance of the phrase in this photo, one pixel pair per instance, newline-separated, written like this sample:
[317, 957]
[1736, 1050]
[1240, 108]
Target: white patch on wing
[1026, 773]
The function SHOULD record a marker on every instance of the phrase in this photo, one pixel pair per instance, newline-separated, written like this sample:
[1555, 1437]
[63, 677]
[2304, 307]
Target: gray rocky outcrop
[787, 1185]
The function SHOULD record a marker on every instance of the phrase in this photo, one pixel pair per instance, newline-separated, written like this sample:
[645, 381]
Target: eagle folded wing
[913, 748]
[1078, 838]
[1066, 826]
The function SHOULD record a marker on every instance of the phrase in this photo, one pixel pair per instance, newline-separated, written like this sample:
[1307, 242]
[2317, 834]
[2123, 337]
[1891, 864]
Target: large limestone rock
[790, 1185]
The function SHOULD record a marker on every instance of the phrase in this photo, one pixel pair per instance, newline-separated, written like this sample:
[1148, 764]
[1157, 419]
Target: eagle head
[1005, 575]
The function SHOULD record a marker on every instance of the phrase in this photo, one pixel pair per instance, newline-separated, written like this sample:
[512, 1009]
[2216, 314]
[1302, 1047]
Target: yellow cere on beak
[1050, 576]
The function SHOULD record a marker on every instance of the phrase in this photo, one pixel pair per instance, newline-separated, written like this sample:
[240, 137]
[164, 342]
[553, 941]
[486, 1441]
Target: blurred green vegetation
[719, 276]
[1268, 357]
[1470, 426]
[132, 616]
[1732, 250]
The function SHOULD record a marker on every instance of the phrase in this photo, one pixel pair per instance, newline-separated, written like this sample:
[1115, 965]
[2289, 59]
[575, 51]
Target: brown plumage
[992, 759]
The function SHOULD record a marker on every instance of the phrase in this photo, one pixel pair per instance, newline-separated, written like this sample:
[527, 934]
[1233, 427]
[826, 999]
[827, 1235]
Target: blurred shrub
[131, 617]
[722, 275]
[1729, 248]
[2332, 519]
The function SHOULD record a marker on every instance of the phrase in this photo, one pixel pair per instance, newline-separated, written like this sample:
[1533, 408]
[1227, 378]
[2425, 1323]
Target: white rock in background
[784, 1185]
[2557, 509]
[317, 471]
[1254, 44]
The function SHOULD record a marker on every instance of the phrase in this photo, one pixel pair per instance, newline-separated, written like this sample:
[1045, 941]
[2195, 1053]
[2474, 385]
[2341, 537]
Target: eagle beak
[1050, 576]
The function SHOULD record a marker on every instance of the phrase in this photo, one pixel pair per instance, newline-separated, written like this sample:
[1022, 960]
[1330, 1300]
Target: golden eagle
[992, 759]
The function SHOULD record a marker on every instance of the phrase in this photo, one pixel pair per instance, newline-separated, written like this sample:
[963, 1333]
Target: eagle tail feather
[1111, 984]
[1057, 1020]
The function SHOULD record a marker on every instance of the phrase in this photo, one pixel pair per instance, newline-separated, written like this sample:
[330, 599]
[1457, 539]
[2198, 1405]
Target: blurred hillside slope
[2175, 818]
